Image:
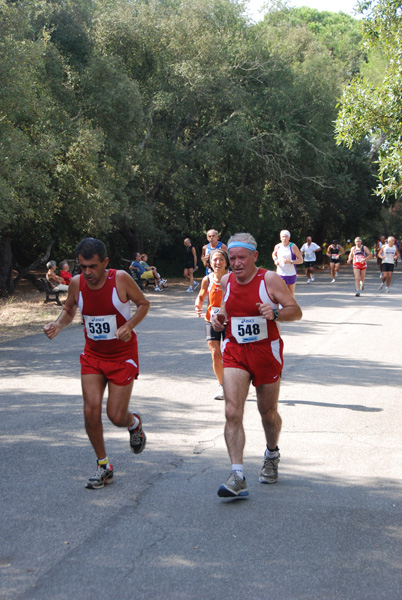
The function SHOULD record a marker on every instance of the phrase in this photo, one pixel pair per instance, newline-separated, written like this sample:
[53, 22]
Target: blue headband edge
[242, 245]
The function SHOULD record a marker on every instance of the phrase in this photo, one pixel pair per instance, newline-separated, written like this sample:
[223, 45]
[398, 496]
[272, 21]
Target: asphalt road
[330, 529]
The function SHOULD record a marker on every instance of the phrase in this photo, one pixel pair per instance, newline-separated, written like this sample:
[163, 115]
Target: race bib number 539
[249, 329]
[101, 327]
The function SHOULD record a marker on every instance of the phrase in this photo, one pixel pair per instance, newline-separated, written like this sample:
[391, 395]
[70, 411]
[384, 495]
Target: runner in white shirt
[309, 249]
[388, 252]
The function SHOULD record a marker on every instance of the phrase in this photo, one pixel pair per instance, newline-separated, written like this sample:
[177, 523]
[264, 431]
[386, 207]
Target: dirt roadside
[25, 313]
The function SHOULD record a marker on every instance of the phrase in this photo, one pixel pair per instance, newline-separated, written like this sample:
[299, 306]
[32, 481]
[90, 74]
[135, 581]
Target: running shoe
[381, 286]
[357, 294]
[190, 289]
[101, 478]
[157, 288]
[234, 487]
[219, 394]
[308, 281]
[269, 471]
[138, 439]
[361, 286]
[333, 281]
[196, 284]
[313, 278]
[386, 290]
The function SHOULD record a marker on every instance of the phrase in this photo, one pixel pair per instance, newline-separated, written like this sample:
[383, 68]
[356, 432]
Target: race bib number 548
[101, 327]
[249, 329]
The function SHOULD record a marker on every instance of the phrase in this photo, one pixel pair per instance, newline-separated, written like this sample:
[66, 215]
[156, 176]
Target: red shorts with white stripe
[117, 372]
[264, 362]
[360, 266]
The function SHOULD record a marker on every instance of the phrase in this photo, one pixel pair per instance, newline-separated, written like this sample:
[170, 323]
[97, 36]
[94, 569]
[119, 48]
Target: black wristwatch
[276, 314]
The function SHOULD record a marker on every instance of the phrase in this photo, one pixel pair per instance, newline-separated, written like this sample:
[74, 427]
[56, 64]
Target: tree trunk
[133, 240]
[6, 267]
[23, 272]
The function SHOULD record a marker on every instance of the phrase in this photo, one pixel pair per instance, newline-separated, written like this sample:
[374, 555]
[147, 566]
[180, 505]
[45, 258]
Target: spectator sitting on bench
[144, 274]
[56, 282]
[65, 272]
[144, 261]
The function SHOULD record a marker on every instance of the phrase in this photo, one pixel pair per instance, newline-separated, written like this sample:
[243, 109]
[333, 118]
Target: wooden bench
[51, 294]
[140, 282]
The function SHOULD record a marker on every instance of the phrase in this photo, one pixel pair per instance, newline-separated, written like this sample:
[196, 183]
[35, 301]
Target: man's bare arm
[129, 290]
[279, 292]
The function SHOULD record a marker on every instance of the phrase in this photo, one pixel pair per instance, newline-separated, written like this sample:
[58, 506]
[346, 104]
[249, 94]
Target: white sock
[269, 454]
[238, 469]
[134, 425]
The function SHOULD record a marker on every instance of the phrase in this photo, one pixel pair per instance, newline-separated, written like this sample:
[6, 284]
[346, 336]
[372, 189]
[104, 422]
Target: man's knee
[233, 412]
[92, 413]
[270, 413]
[117, 415]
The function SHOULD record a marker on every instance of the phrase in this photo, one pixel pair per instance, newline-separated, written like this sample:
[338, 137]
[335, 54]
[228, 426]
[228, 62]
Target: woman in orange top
[218, 261]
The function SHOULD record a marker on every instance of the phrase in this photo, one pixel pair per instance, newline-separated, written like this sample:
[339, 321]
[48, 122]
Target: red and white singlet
[245, 323]
[359, 258]
[103, 313]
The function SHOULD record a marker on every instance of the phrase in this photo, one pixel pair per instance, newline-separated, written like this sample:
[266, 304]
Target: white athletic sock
[273, 454]
[135, 424]
[238, 469]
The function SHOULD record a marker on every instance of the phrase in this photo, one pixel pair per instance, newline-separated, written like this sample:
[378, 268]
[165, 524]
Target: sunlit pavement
[330, 529]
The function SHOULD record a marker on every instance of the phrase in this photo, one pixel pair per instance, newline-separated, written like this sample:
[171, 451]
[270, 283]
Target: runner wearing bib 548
[254, 300]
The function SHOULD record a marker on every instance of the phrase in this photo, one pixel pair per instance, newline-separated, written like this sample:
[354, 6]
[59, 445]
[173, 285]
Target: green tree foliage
[67, 118]
[371, 106]
[150, 120]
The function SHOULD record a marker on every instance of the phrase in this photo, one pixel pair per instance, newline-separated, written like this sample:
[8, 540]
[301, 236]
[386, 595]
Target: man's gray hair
[247, 238]
[51, 264]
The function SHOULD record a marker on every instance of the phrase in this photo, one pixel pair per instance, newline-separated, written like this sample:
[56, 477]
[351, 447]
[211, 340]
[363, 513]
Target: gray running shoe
[101, 478]
[196, 284]
[381, 286]
[269, 471]
[138, 439]
[361, 286]
[234, 487]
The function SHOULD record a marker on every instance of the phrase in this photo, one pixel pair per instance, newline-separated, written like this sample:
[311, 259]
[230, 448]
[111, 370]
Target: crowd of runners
[245, 305]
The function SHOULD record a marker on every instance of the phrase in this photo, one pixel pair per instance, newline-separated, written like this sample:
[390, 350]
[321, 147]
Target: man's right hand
[218, 321]
[51, 330]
